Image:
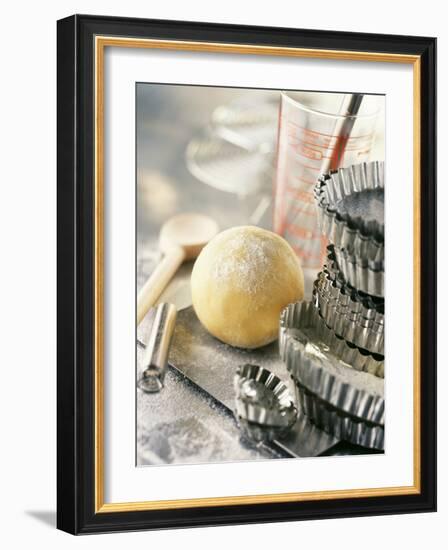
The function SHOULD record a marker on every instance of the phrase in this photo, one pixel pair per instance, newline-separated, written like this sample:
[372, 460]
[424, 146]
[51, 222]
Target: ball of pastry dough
[240, 283]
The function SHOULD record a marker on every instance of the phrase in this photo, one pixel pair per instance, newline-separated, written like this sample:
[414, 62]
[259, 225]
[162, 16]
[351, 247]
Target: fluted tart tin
[363, 275]
[354, 316]
[351, 209]
[338, 423]
[317, 365]
[336, 397]
[263, 406]
[301, 324]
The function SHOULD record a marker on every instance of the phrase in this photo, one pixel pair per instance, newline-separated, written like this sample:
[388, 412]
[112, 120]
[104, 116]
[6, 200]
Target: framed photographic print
[246, 274]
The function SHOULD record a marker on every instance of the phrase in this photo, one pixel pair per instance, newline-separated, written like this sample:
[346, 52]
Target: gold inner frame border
[101, 42]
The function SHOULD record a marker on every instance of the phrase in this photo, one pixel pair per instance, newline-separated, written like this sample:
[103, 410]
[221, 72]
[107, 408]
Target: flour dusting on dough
[246, 259]
[240, 283]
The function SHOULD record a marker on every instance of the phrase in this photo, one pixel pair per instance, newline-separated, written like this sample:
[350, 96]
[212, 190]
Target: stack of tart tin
[334, 346]
[263, 408]
[351, 211]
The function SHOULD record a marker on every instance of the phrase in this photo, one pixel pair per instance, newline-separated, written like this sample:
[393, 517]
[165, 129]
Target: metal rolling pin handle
[155, 357]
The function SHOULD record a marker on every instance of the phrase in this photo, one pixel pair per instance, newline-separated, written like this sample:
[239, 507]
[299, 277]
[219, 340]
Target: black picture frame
[76, 271]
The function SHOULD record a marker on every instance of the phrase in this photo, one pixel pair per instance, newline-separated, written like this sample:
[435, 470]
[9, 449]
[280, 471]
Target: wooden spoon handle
[158, 280]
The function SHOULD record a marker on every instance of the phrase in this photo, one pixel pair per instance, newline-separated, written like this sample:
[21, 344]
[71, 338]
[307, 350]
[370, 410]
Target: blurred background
[177, 138]
[213, 150]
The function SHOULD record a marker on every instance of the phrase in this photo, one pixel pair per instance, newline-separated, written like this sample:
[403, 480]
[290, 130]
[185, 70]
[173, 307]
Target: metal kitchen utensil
[343, 133]
[354, 316]
[351, 209]
[211, 365]
[323, 366]
[301, 325]
[336, 397]
[263, 407]
[337, 422]
[155, 358]
[363, 275]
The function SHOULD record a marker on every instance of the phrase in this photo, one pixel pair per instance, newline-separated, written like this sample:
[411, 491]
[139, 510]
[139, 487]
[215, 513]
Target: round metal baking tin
[341, 197]
[361, 274]
[318, 360]
[337, 422]
[356, 317]
[263, 406]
